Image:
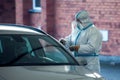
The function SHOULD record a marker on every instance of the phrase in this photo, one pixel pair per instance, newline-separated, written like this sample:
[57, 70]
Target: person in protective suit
[85, 41]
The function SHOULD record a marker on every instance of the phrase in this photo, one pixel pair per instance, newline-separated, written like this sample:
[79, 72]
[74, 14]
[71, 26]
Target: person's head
[82, 18]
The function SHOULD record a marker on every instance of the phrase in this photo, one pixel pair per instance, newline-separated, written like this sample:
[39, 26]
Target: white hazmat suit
[89, 39]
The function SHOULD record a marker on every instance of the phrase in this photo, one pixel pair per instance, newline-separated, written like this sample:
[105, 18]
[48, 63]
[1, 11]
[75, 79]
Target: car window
[1, 48]
[53, 52]
[32, 50]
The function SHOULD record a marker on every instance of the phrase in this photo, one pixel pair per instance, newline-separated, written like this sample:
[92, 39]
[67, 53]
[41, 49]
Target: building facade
[55, 17]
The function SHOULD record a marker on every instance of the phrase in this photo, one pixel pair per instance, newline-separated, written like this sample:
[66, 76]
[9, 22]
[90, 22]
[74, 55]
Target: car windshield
[32, 50]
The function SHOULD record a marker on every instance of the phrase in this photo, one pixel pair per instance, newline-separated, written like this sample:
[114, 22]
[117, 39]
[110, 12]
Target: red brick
[57, 15]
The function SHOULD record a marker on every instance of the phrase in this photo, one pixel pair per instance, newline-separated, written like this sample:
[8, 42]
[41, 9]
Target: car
[28, 53]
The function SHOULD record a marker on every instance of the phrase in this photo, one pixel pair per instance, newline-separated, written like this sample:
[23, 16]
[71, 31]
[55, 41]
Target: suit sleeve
[93, 44]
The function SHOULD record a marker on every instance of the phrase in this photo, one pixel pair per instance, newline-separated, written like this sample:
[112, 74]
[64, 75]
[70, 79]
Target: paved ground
[110, 71]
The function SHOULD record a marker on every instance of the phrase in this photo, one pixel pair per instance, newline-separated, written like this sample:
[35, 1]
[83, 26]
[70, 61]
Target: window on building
[37, 5]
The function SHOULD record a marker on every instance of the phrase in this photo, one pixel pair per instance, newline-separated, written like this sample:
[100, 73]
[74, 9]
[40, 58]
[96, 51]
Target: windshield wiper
[19, 57]
[23, 54]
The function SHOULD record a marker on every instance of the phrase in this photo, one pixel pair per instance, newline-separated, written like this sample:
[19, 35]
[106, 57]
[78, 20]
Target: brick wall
[104, 13]
[22, 12]
[56, 17]
[19, 11]
[50, 10]
[7, 14]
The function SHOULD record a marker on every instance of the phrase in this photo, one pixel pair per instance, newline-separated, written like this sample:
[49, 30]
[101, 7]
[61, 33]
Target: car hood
[47, 73]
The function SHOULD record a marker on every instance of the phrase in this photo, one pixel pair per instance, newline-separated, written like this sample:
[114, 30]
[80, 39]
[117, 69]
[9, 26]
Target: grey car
[27, 53]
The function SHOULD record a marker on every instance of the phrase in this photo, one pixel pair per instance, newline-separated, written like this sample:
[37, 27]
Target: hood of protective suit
[83, 16]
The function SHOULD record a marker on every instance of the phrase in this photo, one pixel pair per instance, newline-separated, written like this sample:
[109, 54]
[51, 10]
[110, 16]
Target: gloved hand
[74, 48]
[62, 41]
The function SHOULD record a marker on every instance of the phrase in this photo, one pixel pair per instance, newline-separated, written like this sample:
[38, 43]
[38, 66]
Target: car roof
[19, 29]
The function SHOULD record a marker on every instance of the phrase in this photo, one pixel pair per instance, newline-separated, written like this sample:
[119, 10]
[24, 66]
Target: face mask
[80, 26]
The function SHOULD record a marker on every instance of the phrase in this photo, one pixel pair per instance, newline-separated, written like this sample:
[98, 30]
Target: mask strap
[87, 26]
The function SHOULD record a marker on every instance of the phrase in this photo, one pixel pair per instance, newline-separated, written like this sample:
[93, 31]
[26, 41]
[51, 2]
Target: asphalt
[110, 70]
